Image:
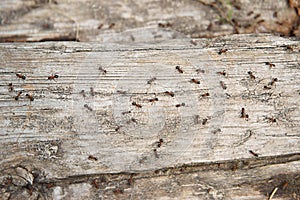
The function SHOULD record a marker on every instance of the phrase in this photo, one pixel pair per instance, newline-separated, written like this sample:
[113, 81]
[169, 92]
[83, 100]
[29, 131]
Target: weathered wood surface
[46, 143]
[143, 20]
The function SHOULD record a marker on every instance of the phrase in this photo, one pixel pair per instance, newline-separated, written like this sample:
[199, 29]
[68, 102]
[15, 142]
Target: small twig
[273, 193]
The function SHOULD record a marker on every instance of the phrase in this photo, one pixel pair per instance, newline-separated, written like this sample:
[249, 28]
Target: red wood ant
[52, 77]
[273, 81]
[222, 73]
[270, 64]
[160, 143]
[88, 107]
[243, 114]
[153, 100]
[17, 97]
[137, 105]
[92, 158]
[155, 153]
[223, 85]
[103, 70]
[30, 97]
[179, 105]
[151, 80]
[251, 75]
[169, 93]
[195, 81]
[179, 69]
[11, 87]
[205, 94]
[222, 51]
[21, 76]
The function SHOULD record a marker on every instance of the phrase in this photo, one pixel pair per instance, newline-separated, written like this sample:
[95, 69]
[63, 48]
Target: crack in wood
[232, 165]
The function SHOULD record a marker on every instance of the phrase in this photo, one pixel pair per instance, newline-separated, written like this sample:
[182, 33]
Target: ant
[270, 64]
[83, 93]
[195, 81]
[160, 143]
[52, 77]
[170, 93]
[260, 21]
[267, 87]
[273, 81]
[179, 69]
[133, 120]
[121, 92]
[222, 73]
[95, 183]
[103, 70]
[17, 97]
[243, 114]
[155, 153]
[111, 25]
[11, 87]
[137, 105]
[151, 80]
[30, 97]
[209, 27]
[271, 119]
[251, 75]
[153, 100]
[117, 128]
[256, 16]
[205, 94]
[21, 76]
[118, 191]
[162, 25]
[222, 51]
[200, 71]
[223, 85]
[88, 107]
[92, 91]
[130, 180]
[179, 105]
[204, 121]
[289, 48]
[217, 131]
[254, 154]
[126, 112]
[92, 158]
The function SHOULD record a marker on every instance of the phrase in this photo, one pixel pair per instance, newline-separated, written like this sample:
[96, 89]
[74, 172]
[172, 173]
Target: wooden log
[181, 119]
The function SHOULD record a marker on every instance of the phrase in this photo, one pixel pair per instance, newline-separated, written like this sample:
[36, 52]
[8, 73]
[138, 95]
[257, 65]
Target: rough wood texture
[83, 137]
[143, 20]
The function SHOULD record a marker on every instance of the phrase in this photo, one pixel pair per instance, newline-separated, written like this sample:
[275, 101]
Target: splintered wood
[78, 110]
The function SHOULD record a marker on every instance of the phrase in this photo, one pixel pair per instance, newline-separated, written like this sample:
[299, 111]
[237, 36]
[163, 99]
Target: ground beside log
[182, 119]
[143, 20]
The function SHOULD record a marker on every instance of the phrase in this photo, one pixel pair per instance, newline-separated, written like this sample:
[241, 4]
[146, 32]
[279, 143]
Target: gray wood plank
[65, 132]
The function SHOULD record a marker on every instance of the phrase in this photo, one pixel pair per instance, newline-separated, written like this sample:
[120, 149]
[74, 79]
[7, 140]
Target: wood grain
[191, 145]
